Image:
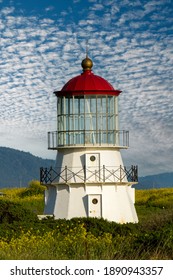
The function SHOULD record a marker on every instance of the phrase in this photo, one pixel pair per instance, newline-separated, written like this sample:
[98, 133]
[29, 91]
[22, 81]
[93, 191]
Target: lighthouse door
[94, 205]
[92, 167]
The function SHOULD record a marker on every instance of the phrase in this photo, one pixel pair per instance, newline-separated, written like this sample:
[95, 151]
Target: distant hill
[17, 168]
[164, 180]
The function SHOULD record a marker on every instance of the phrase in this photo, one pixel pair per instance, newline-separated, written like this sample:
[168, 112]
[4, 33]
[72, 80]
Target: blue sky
[131, 44]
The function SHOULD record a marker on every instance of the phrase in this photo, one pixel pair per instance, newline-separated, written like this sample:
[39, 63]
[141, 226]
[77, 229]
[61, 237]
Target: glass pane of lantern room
[69, 119]
[90, 119]
[111, 104]
[78, 120]
[61, 117]
[60, 109]
[111, 118]
[93, 112]
[102, 119]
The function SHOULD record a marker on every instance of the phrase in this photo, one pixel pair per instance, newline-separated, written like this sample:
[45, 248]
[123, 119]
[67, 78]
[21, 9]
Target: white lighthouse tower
[89, 178]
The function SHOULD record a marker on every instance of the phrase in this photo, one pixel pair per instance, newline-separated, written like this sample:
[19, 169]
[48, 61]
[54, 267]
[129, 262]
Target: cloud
[7, 10]
[131, 47]
[50, 8]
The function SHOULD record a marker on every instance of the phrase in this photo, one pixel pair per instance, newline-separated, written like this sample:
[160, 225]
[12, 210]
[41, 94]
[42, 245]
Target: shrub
[13, 212]
[34, 188]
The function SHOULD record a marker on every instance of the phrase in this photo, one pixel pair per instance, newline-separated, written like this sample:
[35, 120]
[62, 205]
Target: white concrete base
[111, 202]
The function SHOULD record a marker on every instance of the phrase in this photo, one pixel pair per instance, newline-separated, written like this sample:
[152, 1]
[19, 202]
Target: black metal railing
[104, 174]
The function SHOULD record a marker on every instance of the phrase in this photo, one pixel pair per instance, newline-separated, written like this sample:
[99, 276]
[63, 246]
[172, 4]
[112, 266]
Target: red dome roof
[87, 84]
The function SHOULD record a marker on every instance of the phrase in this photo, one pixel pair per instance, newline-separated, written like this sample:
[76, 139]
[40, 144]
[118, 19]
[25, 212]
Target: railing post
[135, 173]
[132, 174]
[41, 170]
[53, 139]
[84, 168]
[45, 175]
[120, 174]
[48, 134]
[100, 137]
[103, 173]
[50, 172]
[66, 173]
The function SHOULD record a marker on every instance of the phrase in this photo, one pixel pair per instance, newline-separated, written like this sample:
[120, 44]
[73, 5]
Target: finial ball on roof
[87, 64]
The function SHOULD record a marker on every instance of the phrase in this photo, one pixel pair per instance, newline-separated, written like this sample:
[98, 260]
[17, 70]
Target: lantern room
[87, 112]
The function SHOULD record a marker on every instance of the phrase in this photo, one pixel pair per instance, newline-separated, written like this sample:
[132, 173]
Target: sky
[130, 42]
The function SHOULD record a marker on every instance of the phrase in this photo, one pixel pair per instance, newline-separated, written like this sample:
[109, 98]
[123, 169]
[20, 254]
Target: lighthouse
[89, 178]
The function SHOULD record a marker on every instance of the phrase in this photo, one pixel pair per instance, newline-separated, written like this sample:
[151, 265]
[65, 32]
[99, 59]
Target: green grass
[161, 198]
[33, 201]
[153, 203]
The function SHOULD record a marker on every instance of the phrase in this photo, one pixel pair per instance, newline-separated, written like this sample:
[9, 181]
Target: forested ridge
[17, 168]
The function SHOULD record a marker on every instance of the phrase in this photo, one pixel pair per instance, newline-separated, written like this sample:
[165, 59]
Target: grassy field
[23, 236]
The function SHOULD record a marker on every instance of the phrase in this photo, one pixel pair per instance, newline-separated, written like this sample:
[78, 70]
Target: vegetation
[23, 236]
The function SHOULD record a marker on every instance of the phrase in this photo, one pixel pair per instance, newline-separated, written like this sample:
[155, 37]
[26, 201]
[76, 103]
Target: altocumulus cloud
[130, 43]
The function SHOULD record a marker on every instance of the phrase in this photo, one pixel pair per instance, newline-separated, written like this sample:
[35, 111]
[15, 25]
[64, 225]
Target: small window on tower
[92, 158]
[95, 201]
